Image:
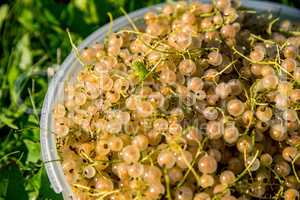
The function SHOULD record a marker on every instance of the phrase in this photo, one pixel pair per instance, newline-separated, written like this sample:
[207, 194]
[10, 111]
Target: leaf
[15, 183]
[15, 113]
[92, 11]
[26, 20]
[81, 4]
[32, 133]
[119, 3]
[33, 119]
[50, 17]
[22, 59]
[3, 13]
[12, 76]
[33, 151]
[23, 47]
[7, 121]
[34, 184]
[3, 187]
[46, 192]
[140, 70]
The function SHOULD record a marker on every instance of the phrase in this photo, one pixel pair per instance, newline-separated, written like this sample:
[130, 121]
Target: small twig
[111, 21]
[190, 167]
[279, 193]
[247, 168]
[269, 30]
[82, 187]
[276, 176]
[101, 195]
[249, 59]
[129, 19]
[167, 182]
[75, 48]
[153, 68]
[86, 156]
[294, 169]
[9, 154]
[294, 33]
[261, 39]
[225, 68]
[33, 105]
[199, 151]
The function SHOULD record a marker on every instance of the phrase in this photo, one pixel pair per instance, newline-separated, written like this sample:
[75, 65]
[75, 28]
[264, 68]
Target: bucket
[71, 66]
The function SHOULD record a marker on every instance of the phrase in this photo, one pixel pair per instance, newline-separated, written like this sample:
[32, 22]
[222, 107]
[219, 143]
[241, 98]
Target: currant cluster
[201, 103]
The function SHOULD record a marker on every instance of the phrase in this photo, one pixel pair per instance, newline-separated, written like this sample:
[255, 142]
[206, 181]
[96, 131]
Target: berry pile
[200, 104]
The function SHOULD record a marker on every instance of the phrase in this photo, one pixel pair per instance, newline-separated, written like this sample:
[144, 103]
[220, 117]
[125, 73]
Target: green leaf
[26, 20]
[34, 184]
[3, 187]
[7, 121]
[12, 76]
[81, 4]
[50, 17]
[140, 70]
[3, 13]
[119, 3]
[93, 16]
[46, 192]
[22, 59]
[15, 112]
[15, 183]
[23, 47]
[33, 151]
[32, 133]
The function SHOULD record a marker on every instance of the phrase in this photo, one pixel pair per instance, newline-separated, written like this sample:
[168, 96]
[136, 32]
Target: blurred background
[33, 43]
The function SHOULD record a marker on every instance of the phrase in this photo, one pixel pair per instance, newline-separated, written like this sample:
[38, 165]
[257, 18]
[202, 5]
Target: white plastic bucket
[71, 66]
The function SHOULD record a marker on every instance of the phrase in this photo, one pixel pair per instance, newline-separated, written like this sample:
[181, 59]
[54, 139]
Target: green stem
[294, 169]
[190, 166]
[74, 48]
[167, 182]
[269, 30]
[247, 168]
[250, 60]
[129, 19]
[111, 21]
[261, 39]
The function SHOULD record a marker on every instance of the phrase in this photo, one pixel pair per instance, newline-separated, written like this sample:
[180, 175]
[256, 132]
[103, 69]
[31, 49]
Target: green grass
[33, 39]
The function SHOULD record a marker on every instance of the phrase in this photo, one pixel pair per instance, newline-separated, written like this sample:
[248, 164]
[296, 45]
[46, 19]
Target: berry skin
[89, 172]
[206, 181]
[290, 153]
[166, 159]
[187, 67]
[227, 177]
[130, 154]
[202, 196]
[184, 193]
[214, 130]
[231, 134]
[235, 107]
[210, 113]
[152, 174]
[291, 194]
[215, 58]
[207, 164]
[244, 144]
